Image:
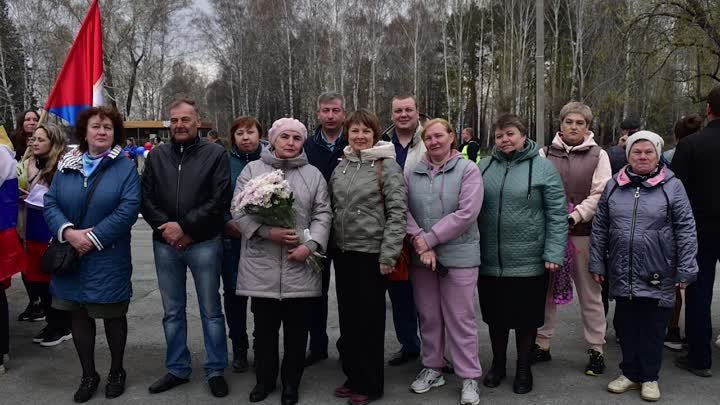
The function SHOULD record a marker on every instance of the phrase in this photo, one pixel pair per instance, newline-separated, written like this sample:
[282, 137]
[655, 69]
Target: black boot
[289, 395]
[240, 362]
[88, 386]
[496, 374]
[523, 378]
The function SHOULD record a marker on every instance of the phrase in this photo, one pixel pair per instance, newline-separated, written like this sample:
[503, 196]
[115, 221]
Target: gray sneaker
[469, 394]
[427, 379]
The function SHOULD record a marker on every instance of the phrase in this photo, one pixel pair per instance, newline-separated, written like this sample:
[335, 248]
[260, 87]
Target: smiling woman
[369, 206]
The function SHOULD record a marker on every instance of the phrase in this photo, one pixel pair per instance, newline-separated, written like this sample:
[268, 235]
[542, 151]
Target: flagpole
[43, 117]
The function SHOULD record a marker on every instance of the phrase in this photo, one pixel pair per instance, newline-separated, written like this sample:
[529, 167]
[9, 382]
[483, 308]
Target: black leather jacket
[189, 184]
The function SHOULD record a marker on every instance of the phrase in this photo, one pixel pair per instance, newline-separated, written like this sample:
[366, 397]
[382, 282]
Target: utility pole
[540, 72]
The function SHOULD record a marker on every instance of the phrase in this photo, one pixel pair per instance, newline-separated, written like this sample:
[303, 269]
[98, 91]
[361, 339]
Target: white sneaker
[650, 391]
[470, 393]
[426, 379]
[622, 384]
[717, 342]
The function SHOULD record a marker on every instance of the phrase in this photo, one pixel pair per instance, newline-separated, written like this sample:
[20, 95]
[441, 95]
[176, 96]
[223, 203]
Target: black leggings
[37, 291]
[83, 331]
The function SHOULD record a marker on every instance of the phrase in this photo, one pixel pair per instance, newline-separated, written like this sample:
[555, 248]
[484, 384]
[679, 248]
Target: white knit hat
[286, 125]
[654, 138]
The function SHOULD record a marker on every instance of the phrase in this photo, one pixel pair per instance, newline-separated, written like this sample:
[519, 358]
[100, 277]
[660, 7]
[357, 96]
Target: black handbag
[61, 258]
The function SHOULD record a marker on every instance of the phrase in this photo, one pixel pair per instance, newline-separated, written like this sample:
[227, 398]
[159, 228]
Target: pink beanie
[287, 125]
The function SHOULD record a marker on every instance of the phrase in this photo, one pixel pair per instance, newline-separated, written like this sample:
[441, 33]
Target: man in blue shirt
[324, 150]
[409, 149]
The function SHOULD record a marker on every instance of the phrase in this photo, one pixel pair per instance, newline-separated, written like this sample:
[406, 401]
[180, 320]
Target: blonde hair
[56, 136]
[576, 107]
[445, 125]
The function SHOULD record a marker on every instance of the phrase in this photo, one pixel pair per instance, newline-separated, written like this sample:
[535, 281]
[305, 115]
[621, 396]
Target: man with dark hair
[696, 163]
[469, 148]
[616, 153]
[185, 194]
[324, 150]
[409, 149]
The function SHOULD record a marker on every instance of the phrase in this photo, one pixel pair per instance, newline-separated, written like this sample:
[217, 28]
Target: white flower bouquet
[268, 197]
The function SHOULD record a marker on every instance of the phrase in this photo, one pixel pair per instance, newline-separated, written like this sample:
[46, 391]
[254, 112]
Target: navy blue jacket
[104, 275]
[648, 233]
[238, 161]
[320, 156]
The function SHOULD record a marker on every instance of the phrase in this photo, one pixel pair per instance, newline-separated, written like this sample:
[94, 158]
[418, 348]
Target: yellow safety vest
[464, 152]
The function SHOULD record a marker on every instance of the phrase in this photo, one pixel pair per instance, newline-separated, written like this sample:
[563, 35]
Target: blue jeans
[404, 316]
[698, 302]
[204, 260]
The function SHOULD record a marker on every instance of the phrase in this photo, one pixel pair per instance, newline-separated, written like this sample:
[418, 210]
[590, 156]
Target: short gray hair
[330, 96]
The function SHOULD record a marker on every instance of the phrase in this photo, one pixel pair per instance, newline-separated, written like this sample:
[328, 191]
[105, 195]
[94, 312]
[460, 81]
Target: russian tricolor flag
[80, 83]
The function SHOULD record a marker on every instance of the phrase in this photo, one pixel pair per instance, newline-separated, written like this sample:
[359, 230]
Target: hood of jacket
[73, 160]
[427, 165]
[268, 157]
[663, 177]
[529, 151]
[587, 143]
[381, 150]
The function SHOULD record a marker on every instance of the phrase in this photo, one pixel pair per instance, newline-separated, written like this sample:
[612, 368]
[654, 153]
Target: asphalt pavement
[38, 375]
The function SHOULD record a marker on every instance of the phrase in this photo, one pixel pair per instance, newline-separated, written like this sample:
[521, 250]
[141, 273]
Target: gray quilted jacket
[265, 270]
[643, 237]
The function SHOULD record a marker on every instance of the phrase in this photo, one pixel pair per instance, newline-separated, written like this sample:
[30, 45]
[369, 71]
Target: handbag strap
[89, 195]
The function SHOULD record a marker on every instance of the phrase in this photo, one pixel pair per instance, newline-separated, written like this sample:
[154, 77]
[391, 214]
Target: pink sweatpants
[588, 292]
[446, 306]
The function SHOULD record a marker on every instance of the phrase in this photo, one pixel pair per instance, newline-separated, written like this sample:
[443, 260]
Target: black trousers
[641, 328]
[37, 291]
[698, 303]
[4, 323]
[269, 314]
[318, 323]
[236, 317]
[361, 308]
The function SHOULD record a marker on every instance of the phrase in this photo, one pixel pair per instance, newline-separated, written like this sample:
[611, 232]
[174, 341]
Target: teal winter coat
[523, 221]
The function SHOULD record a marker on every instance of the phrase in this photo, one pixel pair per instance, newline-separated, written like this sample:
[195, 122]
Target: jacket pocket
[256, 247]
[655, 259]
[363, 224]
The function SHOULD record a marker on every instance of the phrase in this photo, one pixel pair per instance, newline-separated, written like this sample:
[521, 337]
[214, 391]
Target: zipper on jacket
[499, 220]
[281, 272]
[632, 236]
[347, 198]
[177, 186]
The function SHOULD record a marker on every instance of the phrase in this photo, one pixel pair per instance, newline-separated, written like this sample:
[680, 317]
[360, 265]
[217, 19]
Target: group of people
[405, 211]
